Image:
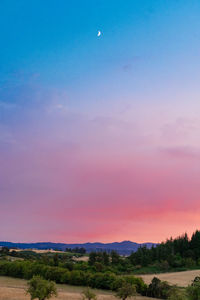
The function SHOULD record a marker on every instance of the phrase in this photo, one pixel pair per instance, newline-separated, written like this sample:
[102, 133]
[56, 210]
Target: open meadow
[14, 289]
[181, 279]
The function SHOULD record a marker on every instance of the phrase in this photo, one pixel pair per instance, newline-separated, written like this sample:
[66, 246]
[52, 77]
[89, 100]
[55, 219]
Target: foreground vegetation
[15, 289]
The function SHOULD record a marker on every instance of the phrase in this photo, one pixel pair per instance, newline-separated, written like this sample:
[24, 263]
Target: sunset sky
[99, 136]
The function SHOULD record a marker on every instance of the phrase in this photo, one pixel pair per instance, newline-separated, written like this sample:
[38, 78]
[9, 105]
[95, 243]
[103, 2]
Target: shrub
[88, 294]
[41, 288]
[127, 290]
[193, 290]
[158, 289]
[176, 294]
[138, 282]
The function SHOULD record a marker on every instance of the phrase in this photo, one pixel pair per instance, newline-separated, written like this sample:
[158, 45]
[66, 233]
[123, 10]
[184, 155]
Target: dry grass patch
[37, 250]
[82, 258]
[181, 279]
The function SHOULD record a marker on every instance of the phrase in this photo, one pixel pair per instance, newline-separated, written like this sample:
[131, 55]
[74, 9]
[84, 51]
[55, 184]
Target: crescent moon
[99, 33]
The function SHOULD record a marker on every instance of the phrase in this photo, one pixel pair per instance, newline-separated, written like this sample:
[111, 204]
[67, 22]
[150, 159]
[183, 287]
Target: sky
[99, 136]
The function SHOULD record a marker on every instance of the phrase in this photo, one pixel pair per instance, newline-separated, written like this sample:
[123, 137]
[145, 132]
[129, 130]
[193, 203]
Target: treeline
[174, 253]
[79, 250]
[104, 258]
[106, 280]
[102, 261]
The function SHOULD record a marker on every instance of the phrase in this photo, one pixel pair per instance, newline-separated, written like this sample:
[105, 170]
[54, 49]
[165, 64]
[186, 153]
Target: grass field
[181, 279]
[14, 289]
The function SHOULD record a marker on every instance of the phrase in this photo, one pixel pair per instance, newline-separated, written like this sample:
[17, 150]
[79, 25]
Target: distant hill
[123, 248]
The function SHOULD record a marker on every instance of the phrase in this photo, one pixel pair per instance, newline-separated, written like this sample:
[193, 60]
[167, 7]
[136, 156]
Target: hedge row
[107, 280]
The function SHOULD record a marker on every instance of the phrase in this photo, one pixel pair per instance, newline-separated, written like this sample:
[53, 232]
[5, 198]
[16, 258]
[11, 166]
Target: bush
[193, 290]
[138, 282]
[177, 294]
[102, 280]
[41, 288]
[189, 262]
[89, 295]
[158, 289]
[127, 290]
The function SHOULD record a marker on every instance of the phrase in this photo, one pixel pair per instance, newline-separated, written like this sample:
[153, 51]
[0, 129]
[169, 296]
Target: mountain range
[123, 248]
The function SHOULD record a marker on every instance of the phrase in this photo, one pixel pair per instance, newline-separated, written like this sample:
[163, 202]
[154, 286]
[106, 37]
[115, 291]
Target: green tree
[5, 250]
[115, 258]
[154, 289]
[41, 289]
[195, 244]
[164, 265]
[98, 266]
[189, 262]
[88, 294]
[105, 258]
[56, 259]
[92, 258]
[127, 290]
[176, 294]
[193, 290]
[158, 289]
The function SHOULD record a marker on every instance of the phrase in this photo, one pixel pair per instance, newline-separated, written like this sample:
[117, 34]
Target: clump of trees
[177, 253]
[126, 291]
[41, 289]
[4, 251]
[88, 294]
[158, 289]
[162, 290]
[79, 250]
[102, 261]
[193, 290]
[99, 258]
[177, 294]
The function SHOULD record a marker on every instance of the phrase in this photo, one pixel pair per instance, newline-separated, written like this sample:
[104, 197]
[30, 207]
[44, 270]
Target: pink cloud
[72, 178]
[182, 152]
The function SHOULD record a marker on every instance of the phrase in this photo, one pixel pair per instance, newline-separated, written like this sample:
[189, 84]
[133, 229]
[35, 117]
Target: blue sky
[156, 41]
